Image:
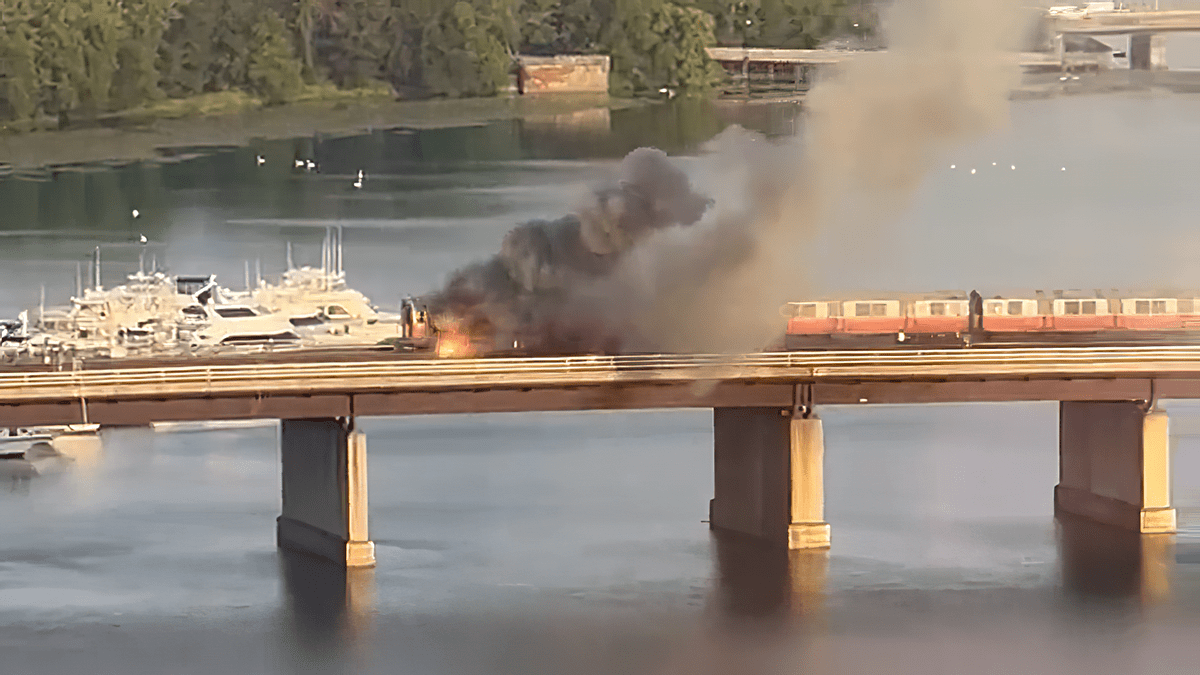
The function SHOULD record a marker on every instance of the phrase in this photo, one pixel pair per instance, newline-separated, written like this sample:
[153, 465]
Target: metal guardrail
[433, 374]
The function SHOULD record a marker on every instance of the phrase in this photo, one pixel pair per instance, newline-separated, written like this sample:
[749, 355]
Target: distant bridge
[1146, 50]
[783, 66]
[1126, 22]
[768, 443]
[827, 57]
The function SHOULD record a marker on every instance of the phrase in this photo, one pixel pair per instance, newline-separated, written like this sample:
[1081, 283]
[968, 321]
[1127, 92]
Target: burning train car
[531, 297]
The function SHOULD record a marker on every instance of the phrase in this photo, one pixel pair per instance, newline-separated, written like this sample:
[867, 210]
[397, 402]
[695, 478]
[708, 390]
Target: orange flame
[453, 341]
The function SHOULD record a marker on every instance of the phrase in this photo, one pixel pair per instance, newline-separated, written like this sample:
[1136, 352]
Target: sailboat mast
[340, 268]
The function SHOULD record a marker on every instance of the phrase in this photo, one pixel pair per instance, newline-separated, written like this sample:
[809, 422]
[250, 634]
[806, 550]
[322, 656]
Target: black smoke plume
[529, 292]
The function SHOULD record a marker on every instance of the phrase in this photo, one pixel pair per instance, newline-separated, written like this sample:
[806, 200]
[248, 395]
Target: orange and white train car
[949, 318]
[831, 321]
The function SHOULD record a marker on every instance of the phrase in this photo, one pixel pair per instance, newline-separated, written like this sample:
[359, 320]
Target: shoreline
[143, 140]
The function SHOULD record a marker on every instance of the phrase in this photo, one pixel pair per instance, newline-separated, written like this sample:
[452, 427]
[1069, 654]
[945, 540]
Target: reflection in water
[328, 613]
[760, 580]
[765, 612]
[84, 449]
[1102, 561]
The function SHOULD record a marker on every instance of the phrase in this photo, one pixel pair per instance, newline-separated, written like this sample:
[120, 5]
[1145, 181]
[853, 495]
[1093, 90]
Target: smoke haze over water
[659, 276]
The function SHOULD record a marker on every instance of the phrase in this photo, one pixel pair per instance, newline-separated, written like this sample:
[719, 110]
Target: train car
[1149, 313]
[1081, 314]
[940, 316]
[812, 318]
[948, 319]
[878, 322]
[1012, 315]
[872, 316]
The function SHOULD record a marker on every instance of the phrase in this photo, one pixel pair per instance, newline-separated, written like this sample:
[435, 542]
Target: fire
[453, 341]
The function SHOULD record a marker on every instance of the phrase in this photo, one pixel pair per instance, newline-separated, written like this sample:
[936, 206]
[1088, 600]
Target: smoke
[530, 291]
[648, 266]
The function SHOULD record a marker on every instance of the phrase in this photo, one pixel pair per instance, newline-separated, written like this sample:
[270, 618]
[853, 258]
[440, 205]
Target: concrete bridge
[793, 65]
[1145, 29]
[768, 442]
[1126, 22]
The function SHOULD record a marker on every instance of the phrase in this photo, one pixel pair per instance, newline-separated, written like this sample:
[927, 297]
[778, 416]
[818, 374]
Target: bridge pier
[1147, 51]
[769, 479]
[325, 490]
[1114, 465]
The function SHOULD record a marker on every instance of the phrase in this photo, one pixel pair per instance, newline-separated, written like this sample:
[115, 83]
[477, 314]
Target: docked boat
[158, 315]
[14, 443]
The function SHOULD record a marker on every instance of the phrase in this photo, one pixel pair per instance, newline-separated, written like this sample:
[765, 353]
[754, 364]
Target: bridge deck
[298, 390]
[1121, 23]
[825, 57]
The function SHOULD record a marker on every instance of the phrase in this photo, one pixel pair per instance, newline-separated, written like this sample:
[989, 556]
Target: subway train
[959, 319]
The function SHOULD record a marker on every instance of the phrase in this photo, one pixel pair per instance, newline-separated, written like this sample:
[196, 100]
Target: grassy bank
[236, 119]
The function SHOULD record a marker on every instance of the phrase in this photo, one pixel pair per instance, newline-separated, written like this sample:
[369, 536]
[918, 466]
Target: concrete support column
[1114, 465]
[325, 491]
[769, 480]
[1147, 52]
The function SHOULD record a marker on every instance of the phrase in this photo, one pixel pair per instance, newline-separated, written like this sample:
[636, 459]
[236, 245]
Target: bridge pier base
[325, 491]
[769, 479]
[1114, 465]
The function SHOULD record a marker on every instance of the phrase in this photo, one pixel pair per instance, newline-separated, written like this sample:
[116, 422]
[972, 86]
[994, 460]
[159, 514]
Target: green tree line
[87, 57]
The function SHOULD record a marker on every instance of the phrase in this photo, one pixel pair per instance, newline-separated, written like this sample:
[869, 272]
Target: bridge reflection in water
[1101, 561]
[756, 580]
[328, 613]
[771, 608]
[760, 580]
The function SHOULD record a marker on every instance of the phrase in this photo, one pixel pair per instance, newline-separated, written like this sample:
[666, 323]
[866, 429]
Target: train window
[1088, 307]
[1014, 307]
[1141, 307]
[937, 309]
[1158, 307]
[862, 309]
[878, 309]
[808, 311]
[994, 308]
[1071, 307]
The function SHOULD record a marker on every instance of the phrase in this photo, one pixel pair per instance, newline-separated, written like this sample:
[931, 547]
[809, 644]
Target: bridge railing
[592, 370]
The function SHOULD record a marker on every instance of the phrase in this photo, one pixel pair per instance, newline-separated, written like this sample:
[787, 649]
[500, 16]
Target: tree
[467, 49]
[656, 44]
[18, 55]
[361, 38]
[273, 72]
[137, 78]
[207, 46]
[553, 27]
[788, 24]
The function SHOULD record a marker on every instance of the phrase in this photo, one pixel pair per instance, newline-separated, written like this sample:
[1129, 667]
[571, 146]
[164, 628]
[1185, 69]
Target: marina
[157, 316]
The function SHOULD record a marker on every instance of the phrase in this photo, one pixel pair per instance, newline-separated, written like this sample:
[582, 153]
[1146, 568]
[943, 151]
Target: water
[573, 543]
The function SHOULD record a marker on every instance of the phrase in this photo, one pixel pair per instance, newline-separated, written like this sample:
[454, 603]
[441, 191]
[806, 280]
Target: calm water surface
[573, 543]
